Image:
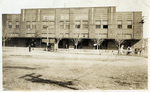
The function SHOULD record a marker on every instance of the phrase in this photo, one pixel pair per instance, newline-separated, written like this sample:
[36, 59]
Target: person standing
[66, 46]
[49, 47]
[121, 49]
[29, 48]
[136, 50]
[129, 50]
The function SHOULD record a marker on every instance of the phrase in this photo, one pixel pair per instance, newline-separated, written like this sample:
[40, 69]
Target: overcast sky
[15, 6]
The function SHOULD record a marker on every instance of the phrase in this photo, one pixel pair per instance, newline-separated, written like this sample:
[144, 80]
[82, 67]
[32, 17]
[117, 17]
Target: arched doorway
[64, 43]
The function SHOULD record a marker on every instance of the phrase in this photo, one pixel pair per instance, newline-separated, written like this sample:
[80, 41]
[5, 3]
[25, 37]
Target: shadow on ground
[35, 79]
[19, 67]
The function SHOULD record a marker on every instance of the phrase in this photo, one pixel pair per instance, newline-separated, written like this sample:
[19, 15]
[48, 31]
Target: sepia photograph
[49, 45]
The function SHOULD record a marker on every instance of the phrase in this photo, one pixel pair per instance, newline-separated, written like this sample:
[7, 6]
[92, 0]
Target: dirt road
[41, 70]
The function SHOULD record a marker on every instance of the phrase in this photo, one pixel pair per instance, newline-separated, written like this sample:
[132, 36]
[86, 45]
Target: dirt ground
[41, 70]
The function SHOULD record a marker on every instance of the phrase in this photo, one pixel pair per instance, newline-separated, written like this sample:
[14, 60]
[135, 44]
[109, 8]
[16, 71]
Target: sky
[15, 6]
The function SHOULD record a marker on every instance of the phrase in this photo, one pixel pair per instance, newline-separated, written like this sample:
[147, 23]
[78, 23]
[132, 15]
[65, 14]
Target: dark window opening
[10, 26]
[17, 26]
[44, 26]
[77, 26]
[129, 26]
[119, 26]
[105, 26]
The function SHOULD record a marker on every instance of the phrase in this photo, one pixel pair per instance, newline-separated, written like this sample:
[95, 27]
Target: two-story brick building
[35, 26]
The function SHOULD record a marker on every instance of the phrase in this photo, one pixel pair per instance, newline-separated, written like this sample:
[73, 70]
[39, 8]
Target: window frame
[28, 25]
[119, 24]
[17, 24]
[61, 24]
[129, 24]
[33, 24]
[105, 25]
[9, 24]
[98, 24]
[85, 24]
[77, 24]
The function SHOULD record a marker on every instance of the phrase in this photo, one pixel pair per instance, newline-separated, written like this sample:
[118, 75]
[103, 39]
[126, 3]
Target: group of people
[129, 50]
[48, 47]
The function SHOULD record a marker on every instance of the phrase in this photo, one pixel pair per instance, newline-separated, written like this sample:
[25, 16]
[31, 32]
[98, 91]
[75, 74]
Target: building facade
[39, 26]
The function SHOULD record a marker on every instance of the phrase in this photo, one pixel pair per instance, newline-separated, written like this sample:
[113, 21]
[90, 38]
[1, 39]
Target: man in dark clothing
[129, 50]
[49, 47]
[29, 48]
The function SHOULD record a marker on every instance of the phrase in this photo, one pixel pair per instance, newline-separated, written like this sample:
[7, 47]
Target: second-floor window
[61, 24]
[97, 24]
[67, 26]
[105, 24]
[10, 24]
[85, 24]
[77, 24]
[17, 24]
[28, 25]
[119, 24]
[51, 24]
[129, 24]
[34, 24]
[44, 25]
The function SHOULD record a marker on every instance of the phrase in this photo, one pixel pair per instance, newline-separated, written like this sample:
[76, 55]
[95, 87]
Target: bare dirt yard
[41, 70]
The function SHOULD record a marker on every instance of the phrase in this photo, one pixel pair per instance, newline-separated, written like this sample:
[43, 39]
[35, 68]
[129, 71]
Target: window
[85, 24]
[28, 24]
[34, 24]
[105, 24]
[98, 24]
[61, 24]
[119, 22]
[119, 26]
[44, 26]
[67, 25]
[17, 24]
[51, 24]
[77, 24]
[129, 24]
[10, 24]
